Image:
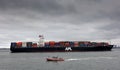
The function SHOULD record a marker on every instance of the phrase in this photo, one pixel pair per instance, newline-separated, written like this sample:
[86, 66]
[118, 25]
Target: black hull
[61, 49]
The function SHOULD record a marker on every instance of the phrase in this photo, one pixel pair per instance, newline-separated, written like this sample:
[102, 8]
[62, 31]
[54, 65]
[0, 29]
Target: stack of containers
[57, 44]
[47, 44]
[94, 44]
[29, 44]
[81, 44]
[87, 43]
[104, 44]
[13, 44]
[34, 44]
[61, 43]
[90, 44]
[19, 44]
[76, 44]
[24, 44]
[52, 43]
[67, 44]
[71, 44]
[99, 44]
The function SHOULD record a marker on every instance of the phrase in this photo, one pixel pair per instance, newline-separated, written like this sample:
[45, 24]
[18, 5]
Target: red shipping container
[34, 45]
[67, 44]
[76, 44]
[19, 44]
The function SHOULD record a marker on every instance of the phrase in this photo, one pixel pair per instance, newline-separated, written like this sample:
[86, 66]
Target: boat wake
[88, 58]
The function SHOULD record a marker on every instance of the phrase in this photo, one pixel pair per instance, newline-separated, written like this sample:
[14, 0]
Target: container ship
[59, 46]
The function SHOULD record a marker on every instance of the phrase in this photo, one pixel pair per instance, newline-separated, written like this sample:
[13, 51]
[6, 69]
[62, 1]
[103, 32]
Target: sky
[69, 20]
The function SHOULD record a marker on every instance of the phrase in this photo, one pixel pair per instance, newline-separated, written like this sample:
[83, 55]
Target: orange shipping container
[52, 43]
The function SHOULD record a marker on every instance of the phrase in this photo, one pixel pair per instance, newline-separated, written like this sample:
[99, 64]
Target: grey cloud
[44, 6]
[110, 31]
[83, 10]
[59, 19]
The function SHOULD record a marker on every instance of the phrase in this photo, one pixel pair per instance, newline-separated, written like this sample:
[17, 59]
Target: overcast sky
[84, 20]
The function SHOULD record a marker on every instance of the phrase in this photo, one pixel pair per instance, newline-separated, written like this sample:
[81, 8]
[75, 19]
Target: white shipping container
[41, 45]
[24, 44]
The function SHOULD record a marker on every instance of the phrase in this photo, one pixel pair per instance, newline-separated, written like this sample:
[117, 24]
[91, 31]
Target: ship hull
[60, 49]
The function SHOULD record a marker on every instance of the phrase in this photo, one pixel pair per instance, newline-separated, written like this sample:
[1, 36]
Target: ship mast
[41, 41]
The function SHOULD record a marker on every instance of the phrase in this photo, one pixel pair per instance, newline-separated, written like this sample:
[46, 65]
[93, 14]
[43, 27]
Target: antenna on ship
[41, 41]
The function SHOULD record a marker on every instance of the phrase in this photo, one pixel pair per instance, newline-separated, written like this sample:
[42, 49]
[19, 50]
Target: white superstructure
[41, 41]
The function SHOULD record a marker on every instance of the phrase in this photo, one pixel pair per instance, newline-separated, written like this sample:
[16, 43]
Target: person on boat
[55, 57]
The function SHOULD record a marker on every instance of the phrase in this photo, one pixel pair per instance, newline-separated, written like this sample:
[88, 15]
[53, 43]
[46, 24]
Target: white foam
[89, 58]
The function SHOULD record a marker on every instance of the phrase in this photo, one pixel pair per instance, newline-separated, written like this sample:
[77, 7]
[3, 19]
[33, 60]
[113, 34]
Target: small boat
[54, 59]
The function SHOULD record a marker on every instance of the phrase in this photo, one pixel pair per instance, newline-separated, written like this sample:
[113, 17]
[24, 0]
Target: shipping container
[13, 44]
[99, 44]
[61, 43]
[71, 44]
[67, 44]
[94, 43]
[34, 44]
[29, 44]
[76, 44]
[87, 43]
[104, 44]
[19, 44]
[90, 44]
[52, 43]
[24, 44]
[47, 44]
[57, 44]
[82, 45]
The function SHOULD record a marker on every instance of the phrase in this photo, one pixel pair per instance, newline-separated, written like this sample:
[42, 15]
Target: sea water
[101, 60]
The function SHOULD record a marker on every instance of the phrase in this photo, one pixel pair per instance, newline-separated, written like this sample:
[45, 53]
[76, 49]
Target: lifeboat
[54, 59]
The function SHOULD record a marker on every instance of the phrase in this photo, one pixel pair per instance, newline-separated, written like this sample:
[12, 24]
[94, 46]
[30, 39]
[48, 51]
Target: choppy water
[107, 60]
